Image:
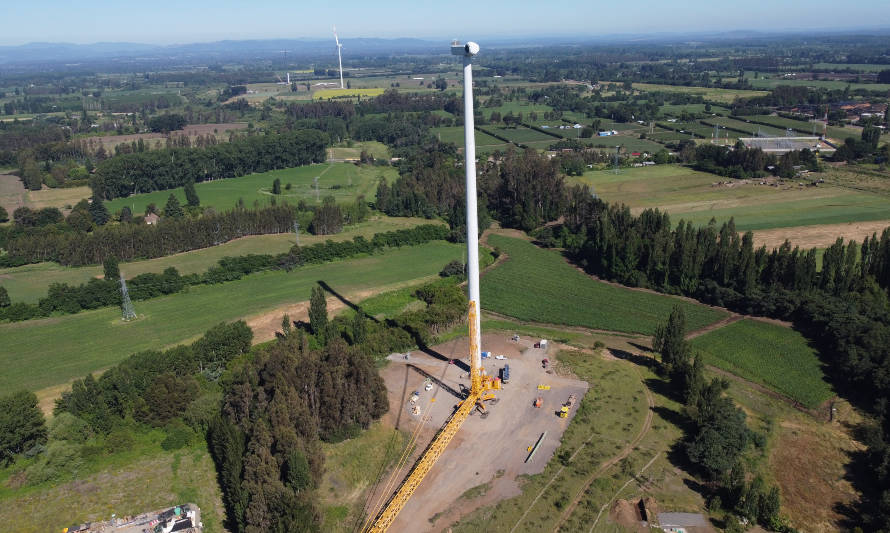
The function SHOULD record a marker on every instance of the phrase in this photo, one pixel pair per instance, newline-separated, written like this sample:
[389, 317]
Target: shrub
[179, 435]
[454, 268]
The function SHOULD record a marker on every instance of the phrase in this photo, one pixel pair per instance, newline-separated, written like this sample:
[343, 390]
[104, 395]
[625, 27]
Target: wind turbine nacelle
[467, 50]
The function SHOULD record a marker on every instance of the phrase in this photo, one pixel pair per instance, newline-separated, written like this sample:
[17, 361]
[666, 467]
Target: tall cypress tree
[669, 341]
[318, 311]
[98, 211]
[191, 196]
[173, 209]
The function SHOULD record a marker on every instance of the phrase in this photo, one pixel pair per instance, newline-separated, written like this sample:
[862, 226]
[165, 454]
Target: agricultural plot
[801, 126]
[522, 135]
[327, 94]
[455, 134]
[675, 110]
[700, 130]
[376, 149]
[29, 283]
[662, 135]
[747, 129]
[770, 83]
[538, 285]
[343, 181]
[695, 196]
[158, 140]
[95, 340]
[773, 355]
[709, 93]
[860, 67]
[517, 107]
[627, 143]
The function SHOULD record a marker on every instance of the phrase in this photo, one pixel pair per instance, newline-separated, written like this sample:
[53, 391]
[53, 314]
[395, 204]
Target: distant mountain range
[66, 53]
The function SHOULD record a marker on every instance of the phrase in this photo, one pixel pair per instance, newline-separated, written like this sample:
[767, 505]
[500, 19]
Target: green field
[538, 285]
[327, 94]
[713, 94]
[343, 181]
[30, 282]
[676, 109]
[350, 467]
[609, 417]
[773, 355]
[94, 340]
[140, 479]
[862, 67]
[821, 84]
[691, 195]
[522, 135]
[455, 134]
[749, 129]
[517, 107]
[627, 143]
[377, 149]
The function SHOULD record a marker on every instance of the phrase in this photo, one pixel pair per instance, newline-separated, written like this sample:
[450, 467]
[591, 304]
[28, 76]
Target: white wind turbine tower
[339, 56]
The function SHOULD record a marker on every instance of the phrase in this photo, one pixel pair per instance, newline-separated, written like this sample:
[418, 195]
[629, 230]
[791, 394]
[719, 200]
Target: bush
[66, 426]
[119, 440]
[60, 460]
[179, 435]
[454, 268]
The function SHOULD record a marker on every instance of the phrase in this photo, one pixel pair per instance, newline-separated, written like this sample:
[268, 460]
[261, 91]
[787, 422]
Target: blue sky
[187, 21]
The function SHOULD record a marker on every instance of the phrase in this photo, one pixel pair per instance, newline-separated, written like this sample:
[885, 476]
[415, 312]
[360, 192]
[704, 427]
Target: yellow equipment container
[543, 387]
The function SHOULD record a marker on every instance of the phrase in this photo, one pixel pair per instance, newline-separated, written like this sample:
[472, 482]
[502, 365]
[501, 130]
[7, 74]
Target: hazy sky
[187, 21]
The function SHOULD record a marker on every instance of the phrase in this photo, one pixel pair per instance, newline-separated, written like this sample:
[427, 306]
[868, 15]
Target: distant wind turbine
[339, 56]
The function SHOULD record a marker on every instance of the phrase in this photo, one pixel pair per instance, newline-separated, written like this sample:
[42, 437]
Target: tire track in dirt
[647, 425]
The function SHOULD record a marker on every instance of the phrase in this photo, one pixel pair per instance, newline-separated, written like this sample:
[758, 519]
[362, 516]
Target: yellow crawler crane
[437, 446]
[479, 384]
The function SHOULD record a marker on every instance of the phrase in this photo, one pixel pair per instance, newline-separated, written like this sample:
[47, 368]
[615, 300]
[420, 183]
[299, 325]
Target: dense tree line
[175, 167]
[96, 293]
[167, 122]
[275, 409]
[303, 389]
[717, 434]
[131, 241]
[22, 425]
[521, 189]
[131, 388]
[843, 308]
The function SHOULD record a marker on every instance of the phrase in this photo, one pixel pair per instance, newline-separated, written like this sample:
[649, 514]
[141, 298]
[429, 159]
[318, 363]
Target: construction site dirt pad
[481, 464]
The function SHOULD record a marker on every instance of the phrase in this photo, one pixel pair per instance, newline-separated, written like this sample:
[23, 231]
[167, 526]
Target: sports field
[538, 285]
[29, 283]
[343, 181]
[694, 196]
[94, 340]
[770, 354]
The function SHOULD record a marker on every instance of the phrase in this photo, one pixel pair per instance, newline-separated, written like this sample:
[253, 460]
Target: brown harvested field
[220, 130]
[481, 464]
[810, 464]
[61, 198]
[12, 193]
[818, 236]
